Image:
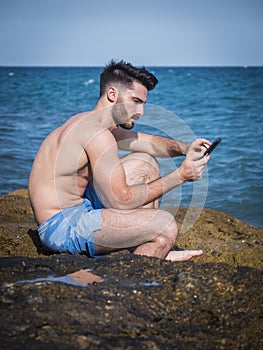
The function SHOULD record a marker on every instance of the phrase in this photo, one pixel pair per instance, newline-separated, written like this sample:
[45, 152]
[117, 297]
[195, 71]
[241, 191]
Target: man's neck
[104, 115]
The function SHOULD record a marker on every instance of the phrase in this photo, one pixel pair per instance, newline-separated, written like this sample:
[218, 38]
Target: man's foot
[182, 255]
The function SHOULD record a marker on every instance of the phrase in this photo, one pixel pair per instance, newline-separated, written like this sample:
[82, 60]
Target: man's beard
[127, 126]
[120, 114]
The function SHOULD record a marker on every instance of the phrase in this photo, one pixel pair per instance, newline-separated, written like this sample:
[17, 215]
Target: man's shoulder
[87, 129]
[84, 123]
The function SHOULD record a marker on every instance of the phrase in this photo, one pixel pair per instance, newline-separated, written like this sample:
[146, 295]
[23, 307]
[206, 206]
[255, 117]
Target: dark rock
[213, 302]
[143, 303]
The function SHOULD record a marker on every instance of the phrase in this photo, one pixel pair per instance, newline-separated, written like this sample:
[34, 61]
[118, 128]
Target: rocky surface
[212, 302]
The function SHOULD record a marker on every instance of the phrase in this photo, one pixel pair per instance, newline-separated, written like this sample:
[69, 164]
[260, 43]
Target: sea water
[188, 102]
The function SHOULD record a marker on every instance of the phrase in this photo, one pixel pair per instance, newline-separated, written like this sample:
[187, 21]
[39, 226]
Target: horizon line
[157, 66]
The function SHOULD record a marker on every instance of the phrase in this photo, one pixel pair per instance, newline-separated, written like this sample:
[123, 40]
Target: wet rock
[142, 303]
[212, 302]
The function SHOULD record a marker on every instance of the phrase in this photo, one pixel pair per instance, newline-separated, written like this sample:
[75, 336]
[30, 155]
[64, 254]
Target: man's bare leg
[141, 168]
[152, 231]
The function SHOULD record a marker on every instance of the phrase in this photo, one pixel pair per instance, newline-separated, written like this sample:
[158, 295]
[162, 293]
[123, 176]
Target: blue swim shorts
[71, 229]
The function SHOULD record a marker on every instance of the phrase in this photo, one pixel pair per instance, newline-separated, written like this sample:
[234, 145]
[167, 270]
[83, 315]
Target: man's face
[130, 106]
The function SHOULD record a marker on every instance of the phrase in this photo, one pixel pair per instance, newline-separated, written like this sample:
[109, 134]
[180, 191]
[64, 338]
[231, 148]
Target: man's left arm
[157, 146]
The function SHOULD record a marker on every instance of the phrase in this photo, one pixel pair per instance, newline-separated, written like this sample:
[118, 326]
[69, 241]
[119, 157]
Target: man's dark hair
[125, 74]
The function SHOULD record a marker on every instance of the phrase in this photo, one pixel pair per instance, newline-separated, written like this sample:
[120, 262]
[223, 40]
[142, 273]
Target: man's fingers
[202, 161]
[203, 142]
[198, 146]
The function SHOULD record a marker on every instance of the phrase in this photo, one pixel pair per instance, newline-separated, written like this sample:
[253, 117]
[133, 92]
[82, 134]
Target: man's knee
[140, 167]
[165, 241]
[170, 232]
[149, 166]
[147, 158]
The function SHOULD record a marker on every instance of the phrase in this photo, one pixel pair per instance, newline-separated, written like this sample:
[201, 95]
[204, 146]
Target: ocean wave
[88, 82]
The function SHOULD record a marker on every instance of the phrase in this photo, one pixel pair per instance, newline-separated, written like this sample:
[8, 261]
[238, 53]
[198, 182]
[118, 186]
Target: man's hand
[193, 166]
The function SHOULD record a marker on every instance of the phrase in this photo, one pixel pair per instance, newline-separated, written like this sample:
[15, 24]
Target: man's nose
[141, 109]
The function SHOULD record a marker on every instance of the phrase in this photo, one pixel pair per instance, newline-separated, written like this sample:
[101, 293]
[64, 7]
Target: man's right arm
[110, 181]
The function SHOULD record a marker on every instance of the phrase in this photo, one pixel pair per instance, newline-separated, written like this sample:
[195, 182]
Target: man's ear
[112, 94]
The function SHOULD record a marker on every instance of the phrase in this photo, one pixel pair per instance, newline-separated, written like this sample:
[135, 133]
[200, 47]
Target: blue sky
[157, 32]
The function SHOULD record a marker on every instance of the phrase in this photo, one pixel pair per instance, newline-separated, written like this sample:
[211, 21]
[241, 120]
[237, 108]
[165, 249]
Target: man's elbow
[124, 200]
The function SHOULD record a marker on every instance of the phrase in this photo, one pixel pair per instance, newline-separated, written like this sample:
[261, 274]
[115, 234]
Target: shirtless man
[86, 199]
